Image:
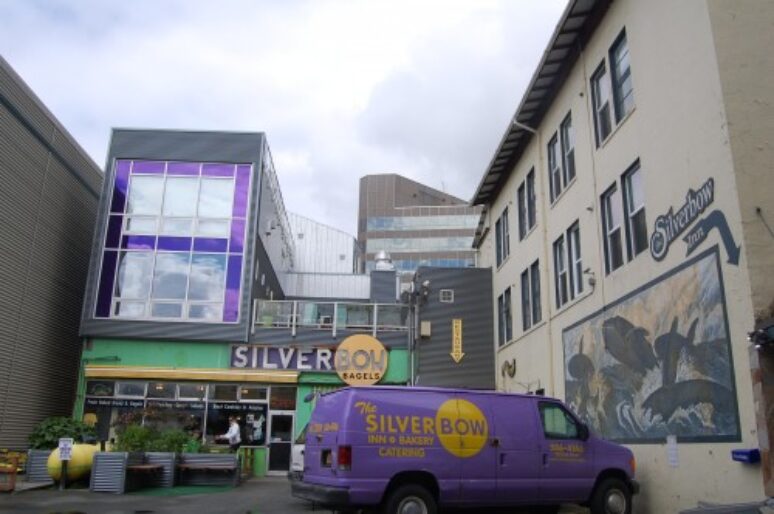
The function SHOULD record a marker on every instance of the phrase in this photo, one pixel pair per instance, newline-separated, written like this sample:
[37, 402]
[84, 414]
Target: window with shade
[174, 242]
[634, 201]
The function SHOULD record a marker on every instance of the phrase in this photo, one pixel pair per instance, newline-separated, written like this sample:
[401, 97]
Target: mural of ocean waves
[658, 361]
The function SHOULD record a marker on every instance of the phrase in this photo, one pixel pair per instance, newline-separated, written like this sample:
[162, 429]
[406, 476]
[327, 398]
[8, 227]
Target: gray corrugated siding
[37, 466]
[383, 287]
[166, 459]
[48, 203]
[186, 146]
[313, 337]
[473, 304]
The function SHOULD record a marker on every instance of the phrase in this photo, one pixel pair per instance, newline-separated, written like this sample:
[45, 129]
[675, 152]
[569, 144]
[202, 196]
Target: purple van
[410, 450]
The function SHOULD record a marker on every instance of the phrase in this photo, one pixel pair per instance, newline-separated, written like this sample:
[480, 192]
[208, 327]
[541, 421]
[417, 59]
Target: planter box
[37, 466]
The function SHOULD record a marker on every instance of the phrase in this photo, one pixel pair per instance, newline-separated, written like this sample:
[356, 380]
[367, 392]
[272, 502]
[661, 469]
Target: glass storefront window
[252, 393]
[161, 390]
[196, 408]
[131, 389]
[188, 391]
[283, 398]
[100, 388]
[221, 392]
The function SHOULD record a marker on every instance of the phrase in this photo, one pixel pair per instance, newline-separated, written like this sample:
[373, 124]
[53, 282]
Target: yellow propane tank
[79, 464]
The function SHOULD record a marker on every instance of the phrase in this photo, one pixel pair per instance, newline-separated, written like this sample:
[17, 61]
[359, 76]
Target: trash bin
[8, 474]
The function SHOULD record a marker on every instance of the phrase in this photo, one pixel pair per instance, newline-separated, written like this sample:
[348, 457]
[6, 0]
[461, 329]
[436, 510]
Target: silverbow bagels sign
[359, 359]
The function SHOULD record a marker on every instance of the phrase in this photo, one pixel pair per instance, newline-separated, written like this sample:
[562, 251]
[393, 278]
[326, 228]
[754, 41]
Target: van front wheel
[410, 499]
[612, 496]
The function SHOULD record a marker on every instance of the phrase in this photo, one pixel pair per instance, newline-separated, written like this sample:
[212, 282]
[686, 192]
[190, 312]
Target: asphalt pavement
[270, 495]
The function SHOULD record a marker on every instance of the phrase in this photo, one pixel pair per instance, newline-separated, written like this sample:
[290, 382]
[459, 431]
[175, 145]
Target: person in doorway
[233, 437]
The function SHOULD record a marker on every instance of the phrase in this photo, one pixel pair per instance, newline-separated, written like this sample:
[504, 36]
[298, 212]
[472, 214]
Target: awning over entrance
[214, 375]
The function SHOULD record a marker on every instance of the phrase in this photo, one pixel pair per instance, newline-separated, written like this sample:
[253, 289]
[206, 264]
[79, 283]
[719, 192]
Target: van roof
[435, 390]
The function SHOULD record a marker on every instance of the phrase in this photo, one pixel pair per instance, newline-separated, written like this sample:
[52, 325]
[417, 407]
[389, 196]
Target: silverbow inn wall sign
[669, 226]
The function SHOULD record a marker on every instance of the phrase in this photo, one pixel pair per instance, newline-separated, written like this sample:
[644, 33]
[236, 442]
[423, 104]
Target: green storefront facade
[196, 387]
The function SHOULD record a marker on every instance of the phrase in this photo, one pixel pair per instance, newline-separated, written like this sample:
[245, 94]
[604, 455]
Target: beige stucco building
[630, 227]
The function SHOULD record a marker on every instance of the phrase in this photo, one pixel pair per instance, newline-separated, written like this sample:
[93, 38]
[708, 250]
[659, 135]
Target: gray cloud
[341, 87]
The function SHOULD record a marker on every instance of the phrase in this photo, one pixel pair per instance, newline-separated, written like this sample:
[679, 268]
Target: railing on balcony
[329, 316]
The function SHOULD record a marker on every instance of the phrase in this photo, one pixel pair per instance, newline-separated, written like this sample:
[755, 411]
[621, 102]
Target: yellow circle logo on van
[461, 427]
[361, 360]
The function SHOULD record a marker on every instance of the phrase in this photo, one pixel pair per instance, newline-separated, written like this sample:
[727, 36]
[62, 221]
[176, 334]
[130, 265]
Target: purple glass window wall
[174, 242]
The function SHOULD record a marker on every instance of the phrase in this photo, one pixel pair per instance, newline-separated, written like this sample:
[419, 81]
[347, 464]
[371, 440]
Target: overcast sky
[342, 88]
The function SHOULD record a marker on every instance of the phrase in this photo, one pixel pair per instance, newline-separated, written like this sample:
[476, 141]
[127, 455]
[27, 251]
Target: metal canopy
[576, 25]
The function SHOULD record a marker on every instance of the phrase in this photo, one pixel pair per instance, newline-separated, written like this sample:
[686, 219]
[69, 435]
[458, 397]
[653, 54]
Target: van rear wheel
[611, 496]
[410, 499]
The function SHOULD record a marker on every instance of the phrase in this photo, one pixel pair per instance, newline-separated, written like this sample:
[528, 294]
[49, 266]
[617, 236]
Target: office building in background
[415, 224]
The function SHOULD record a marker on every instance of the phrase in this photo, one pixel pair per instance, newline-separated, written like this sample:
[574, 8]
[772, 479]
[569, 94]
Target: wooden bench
[145, 468]
[208, 469]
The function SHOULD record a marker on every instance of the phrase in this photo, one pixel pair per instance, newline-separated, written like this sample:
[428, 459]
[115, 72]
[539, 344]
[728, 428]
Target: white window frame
[609, 230]
[599, 79]
[561, 275]
[504, 317]
[553, 150]
[531, 308]
[631, 211]
[502, 235]
[567, 136]
[617, 81]
[575, 261]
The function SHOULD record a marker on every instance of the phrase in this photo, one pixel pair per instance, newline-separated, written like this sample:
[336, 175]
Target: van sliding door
[518, 451]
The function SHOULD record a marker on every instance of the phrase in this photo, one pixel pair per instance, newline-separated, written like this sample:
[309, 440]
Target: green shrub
[47, 434]
[171, 440]
[135, 438]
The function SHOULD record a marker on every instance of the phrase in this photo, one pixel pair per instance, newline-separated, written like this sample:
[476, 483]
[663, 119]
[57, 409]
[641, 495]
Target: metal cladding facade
[470, 290]
[48, 202]
[150, 145]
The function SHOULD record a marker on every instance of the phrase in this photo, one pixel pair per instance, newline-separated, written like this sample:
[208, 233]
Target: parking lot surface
[258, 496]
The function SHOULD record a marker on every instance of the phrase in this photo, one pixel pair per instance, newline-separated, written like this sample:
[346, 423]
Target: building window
[568, 268]
[526, 202]
[600, 97]
[530, 296]
[575, 263]
[611, 227]
[502, 238]
[623, 91]
[446, 296]
[505, 326]
[634, 200]
[617, 88]
[554, 170]
[561, 167]
[560, 272]
[174, 241]
[568, 149]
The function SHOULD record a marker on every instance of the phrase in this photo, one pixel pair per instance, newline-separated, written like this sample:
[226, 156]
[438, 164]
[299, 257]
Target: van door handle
[545, 459]
[502, 459]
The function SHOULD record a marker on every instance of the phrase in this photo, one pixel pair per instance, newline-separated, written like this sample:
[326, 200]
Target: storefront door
[280, 441]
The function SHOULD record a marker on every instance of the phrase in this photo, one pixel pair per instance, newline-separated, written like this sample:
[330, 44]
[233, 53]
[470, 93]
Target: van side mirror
[583, 432]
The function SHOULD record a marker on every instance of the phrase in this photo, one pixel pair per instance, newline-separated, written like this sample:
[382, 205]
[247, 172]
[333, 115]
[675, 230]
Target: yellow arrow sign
[456, 352]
